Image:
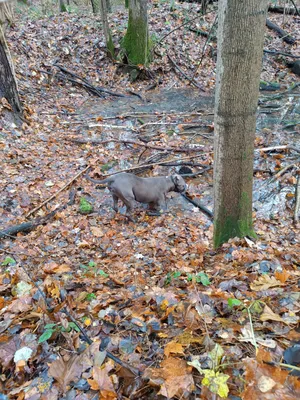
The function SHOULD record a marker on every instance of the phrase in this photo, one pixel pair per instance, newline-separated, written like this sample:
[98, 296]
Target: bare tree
[240, 49]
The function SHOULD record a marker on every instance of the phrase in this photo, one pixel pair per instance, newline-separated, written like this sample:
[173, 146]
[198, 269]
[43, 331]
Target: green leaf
[90, 296]
[8, 261]
[102, 273]
[92, 264]
[72, 325]
[46, 335]
[234, 302]
[176, 274]
[201, 277]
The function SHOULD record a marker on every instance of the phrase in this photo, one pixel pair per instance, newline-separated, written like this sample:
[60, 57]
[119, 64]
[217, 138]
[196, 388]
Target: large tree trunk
[240, 49]
[8, 84]
[136, 40]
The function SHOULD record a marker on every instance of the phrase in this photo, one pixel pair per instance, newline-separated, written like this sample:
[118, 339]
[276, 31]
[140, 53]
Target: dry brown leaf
[103, 382]
[265, 384]
[97, 232]
[269, 315]
[260, 380]
[265, 282]
[67, 371]
[174, 378]
[174, 348]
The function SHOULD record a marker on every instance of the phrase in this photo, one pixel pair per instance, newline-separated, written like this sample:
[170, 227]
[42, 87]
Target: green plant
[90, 296]
[92, 269]
[85, 207]
[234, 302]
[50, 329]
[200, 277]
[8, 261]
[171, 276]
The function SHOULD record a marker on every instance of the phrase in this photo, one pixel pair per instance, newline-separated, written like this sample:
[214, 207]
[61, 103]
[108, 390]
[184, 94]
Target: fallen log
[283, 34]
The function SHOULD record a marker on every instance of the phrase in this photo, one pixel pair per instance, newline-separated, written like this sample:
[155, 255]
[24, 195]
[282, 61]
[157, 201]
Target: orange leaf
[174, 348]
[282, 276]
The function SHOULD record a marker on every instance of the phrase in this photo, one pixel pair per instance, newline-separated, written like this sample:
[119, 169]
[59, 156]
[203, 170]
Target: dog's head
[179, 183]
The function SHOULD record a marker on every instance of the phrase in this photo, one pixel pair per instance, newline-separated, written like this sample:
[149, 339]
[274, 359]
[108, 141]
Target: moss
[136, 41]
[85, 207]
[228, 226]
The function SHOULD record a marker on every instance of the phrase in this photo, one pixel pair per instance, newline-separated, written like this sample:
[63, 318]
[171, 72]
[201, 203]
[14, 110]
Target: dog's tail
[99, 181]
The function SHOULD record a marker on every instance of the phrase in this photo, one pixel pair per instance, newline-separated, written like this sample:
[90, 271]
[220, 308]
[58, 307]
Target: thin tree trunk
[8, 83]
[96, 6]
[108, 39]
[240, 49]
[62, 6]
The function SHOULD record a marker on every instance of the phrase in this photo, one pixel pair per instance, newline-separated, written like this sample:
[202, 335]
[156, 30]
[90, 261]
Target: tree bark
[62, 6]
[240, 49]
[108, 39]
[96, 6]
[8, 84]
[136, 40]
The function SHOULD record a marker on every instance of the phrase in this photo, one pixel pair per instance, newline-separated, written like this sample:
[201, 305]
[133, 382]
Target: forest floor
[162, 314]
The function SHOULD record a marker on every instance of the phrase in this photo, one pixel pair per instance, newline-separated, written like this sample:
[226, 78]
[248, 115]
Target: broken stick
[57, 193]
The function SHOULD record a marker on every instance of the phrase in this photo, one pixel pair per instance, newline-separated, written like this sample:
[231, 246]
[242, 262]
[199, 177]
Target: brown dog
[130, 188]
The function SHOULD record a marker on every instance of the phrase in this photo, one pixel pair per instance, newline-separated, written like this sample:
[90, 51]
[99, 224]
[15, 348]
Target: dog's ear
[176, 179]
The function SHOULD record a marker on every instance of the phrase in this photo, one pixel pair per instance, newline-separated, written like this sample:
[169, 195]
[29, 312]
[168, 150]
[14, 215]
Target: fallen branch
[191, 80]
[132, 142]
[198, 173]
[201, 207]
[87, 84]
[283, 34]
[284, 10]
[297, 204]
[57, 193]
[285, 147]
[28, 226]
[280, 53]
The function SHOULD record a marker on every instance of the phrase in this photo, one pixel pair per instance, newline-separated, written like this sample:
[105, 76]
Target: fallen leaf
[265, 282]
[174, 348]
[269, 315]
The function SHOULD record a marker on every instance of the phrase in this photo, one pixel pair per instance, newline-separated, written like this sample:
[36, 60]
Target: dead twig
[201, 207]
[204, 47]
[87, 84]
[132, 142]
[28, 226]
[58, 192]
[297, 204]
[275, 148]
[191, 80]
[280, 53]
